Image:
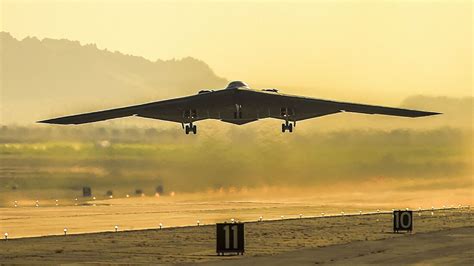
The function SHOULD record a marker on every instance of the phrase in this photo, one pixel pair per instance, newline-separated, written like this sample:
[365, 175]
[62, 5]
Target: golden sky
[390, 49]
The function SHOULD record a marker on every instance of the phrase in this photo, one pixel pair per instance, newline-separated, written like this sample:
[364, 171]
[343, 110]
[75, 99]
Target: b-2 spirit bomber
[237, 104]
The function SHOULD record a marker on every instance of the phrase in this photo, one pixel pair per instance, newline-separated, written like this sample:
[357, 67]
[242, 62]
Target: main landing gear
[190, 128]
[286, 113]
[189, 115]
[287, 126]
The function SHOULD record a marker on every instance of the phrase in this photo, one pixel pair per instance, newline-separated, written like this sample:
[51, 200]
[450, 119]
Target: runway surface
[446, 247]
[195, 244]
[138, 213]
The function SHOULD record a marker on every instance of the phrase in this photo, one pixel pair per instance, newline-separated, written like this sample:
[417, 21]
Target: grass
[186, 164]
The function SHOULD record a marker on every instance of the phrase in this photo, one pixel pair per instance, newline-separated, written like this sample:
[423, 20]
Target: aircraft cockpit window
[236, 84]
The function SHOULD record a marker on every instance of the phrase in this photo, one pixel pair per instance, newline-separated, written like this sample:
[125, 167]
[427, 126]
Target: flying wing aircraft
[237, 104]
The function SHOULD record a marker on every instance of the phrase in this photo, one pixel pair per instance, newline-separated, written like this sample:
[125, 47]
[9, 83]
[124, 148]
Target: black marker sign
[402, 221]
[230, 238]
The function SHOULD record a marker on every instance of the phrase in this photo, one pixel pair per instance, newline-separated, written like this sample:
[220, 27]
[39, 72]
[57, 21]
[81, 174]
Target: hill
[40, 78]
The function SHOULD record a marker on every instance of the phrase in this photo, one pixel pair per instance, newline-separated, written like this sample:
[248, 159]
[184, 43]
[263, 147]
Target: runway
[445, 247]
[139, 213]
[194, 244]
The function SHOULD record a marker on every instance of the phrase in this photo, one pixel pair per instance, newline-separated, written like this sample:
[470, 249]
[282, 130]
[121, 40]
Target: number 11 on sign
[235, 231]
[230, 238]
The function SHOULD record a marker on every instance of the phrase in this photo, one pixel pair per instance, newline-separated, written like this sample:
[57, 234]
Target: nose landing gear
[238, 111]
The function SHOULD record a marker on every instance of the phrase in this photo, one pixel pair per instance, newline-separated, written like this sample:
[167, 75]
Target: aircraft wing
[169, 110]
[222, 104]
[301, 108]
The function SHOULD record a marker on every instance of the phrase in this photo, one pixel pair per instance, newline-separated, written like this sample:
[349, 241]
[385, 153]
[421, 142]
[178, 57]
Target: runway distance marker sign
[402, 221]
[230, 238]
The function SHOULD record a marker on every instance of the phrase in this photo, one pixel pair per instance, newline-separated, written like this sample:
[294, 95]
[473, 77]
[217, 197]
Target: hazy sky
[392, 49]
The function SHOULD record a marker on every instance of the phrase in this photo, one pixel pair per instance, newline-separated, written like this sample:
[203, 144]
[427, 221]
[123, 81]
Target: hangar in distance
[237, 104]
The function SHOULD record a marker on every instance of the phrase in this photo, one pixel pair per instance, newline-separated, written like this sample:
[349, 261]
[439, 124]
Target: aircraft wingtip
[48, 121]
[431, 113]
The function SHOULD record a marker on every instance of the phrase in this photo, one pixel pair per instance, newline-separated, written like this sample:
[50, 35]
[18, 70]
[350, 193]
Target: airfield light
[172, 194]
[198, 222]
[65, 231]
[459, 206]
[6, 236]
[232, 220]
[57, 202]
[378, 210]
[282, 217]
[161, 225]
[342, 213]
[407, 209]
[75, 202]
[157, 194]
[260, 218]
[432, 213]
[116, 228]
[111, 197]
[93, 198]
[360, 212]
[432, 207]
[322, 214]
[128, 196]
[301, 215]
[37, 204]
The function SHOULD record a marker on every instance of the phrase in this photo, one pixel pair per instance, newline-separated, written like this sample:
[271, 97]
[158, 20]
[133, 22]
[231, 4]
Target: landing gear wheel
[287, 126]
[194, 129]
[187, 130]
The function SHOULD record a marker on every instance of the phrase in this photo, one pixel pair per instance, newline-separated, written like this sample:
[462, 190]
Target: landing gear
[238, 115]
[287, 126]
[190, 128]
[286, 113]
[189, 115]
[238, 111]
